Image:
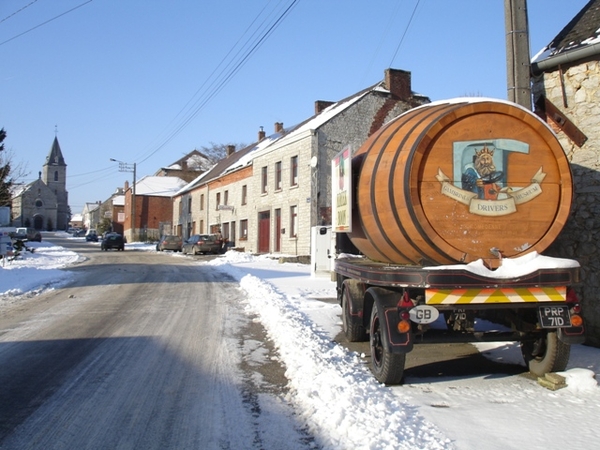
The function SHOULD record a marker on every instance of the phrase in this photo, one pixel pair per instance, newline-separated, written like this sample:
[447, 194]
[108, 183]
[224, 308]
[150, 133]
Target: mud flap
[356, 298]
[387, 301]
[571, 335]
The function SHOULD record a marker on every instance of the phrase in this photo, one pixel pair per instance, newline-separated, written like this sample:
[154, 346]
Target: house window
[263, 180]
[225, 197]
[294, 171]
[244, 229]
[244, 194]
[201, 226]
[189, 205]
[278, 176]
[202, 202]
[294, 221]
[218, 200]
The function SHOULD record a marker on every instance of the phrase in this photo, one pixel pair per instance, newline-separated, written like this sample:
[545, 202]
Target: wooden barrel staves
[459, 181]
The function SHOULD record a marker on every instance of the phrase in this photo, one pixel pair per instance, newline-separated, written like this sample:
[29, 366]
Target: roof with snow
[158, 186]
[244, 157]
[194, 161]
[119, 200]
[582, 31]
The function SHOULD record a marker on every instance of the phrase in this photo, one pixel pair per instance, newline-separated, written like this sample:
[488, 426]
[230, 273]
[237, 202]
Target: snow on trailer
[450, 205]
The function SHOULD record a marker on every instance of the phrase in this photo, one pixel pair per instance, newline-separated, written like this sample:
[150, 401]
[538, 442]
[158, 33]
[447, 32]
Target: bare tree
[9, 172]
[216, 152]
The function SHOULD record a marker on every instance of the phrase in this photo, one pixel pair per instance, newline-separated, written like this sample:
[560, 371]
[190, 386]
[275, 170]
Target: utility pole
[125, 167]
[518, 59]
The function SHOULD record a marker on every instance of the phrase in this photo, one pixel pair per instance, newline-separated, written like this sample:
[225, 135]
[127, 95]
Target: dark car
[113, 240]
[169, 242]
[202, 243]
[91, 237]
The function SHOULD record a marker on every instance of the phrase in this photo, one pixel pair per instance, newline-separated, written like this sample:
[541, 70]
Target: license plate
[554, 316]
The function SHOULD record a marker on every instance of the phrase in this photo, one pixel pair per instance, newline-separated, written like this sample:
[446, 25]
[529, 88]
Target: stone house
[566, 93]
[91, 214]
[187, 168]
[266, 198]
[44, 203]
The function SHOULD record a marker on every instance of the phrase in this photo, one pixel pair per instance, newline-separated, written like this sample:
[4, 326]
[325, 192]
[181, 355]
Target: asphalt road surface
[141, 351]
[146, 351]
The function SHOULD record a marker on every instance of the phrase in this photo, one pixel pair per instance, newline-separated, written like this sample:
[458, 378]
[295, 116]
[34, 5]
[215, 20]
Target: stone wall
[577, 95]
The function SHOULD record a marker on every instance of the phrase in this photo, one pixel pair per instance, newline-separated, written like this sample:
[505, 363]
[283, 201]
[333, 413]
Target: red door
[264, 231]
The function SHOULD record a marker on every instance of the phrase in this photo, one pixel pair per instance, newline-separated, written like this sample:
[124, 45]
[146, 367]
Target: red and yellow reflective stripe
[495, 295]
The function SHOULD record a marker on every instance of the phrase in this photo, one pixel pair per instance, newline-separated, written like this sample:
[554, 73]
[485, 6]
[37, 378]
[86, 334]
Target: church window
[39, 203]
[56, 175]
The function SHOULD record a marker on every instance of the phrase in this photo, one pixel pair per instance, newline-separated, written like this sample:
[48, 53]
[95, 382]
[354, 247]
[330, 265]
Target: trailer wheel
[387, 367]
[545, 354]
[354, 332]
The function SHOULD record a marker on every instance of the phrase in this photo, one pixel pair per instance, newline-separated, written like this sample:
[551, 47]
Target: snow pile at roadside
[37, 269]
[331, 387]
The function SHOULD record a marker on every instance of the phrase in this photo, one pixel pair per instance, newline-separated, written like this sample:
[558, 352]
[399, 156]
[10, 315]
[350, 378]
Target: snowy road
[137, 354]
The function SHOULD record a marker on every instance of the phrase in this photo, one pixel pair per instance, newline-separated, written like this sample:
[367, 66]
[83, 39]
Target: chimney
[126, 185]
[230, 150]
[261, 134]
[184, 165]
[320, 105]
[398, 83]
[278, 127]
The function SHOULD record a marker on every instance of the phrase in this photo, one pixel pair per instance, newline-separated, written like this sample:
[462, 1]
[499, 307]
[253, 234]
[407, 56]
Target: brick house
[566, 92]
[267, 197]
[153, 207]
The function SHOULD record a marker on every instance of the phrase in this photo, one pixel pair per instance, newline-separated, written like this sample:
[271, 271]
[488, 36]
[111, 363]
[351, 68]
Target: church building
[44, 203]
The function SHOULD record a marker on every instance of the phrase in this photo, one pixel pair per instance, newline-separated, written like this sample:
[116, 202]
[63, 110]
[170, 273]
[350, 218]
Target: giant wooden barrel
[459, 181]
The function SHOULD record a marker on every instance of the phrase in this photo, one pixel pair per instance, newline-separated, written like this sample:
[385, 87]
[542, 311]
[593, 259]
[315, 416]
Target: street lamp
[125, 167]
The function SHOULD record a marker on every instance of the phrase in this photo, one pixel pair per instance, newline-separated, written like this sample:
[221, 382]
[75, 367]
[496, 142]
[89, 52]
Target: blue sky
[148, 81]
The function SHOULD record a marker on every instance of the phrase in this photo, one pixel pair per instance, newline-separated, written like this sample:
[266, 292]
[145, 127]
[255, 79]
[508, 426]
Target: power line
[225, 75]
[18, 11]
[46, 22]
[404, 34]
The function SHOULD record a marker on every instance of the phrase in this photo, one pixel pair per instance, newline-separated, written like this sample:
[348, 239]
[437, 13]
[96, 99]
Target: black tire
[387, 367]
[354, 332]
[545, 354]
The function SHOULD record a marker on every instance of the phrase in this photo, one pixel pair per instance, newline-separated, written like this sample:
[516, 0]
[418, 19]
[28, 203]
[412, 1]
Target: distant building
[44, 203]
[187, 168]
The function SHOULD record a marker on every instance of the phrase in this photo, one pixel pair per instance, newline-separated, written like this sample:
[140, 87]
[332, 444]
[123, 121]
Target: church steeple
[54, 175]
[55, 157]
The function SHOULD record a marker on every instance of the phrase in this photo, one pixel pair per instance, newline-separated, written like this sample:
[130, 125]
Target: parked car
[79, 232]
[27, 233]
[91, 237]
[202, 243]
[169, 242]
[113, 240]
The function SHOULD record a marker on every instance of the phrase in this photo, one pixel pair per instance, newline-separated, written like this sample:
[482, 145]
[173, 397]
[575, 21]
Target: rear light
[404, 322]
[576, 309]
[403, 326]
[576, 321]
[571, 295]
[405, 301]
